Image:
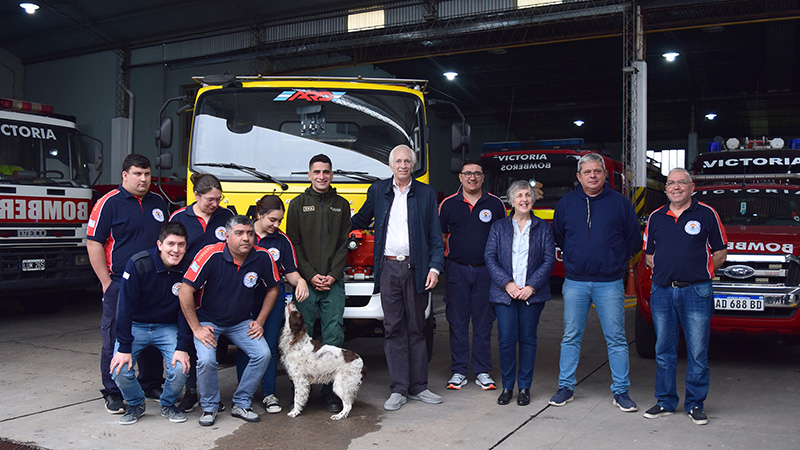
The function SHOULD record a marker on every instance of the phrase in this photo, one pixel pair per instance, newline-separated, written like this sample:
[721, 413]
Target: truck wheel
[430, 325]
[645, 337]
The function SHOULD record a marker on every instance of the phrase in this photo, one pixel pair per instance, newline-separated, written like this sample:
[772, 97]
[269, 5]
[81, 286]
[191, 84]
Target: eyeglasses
[671, 183]
[472, 174]
[213, 199]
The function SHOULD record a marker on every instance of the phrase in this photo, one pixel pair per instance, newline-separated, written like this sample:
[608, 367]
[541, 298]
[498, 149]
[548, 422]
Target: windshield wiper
[248, 170]
[360, 176]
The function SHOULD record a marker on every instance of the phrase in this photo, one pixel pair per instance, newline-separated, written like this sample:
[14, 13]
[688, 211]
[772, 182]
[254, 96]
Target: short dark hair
[467, 162]
[172, 228]
[204, 182]
[135, 159]
[237, 220]
[268, 203]
[323, 158]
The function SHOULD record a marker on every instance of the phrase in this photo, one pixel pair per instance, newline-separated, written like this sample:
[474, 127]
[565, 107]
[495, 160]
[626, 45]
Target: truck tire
[430, 326]
[645, 337]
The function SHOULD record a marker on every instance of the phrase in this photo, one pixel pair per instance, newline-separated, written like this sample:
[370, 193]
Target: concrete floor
[49, 397]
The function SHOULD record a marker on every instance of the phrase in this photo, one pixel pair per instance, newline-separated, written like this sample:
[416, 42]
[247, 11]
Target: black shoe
[114, 404]
[657, 411]
[154, 393]
[333, 404]
[505, 396]
[188, 401]
[524, 397]
[698, 416]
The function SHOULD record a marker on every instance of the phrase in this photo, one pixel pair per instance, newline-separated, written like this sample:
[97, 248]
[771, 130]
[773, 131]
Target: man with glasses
[684, 244]
[466, 218]
[318, 224]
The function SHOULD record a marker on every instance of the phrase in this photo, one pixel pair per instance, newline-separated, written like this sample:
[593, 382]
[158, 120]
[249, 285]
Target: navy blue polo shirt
[468, 225]
[125, 225]
[227, 291]
[199, 232]
[281, 249]
[682, 246]
[150, 297]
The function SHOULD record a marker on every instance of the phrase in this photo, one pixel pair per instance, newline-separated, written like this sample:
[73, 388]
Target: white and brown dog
[308, 361]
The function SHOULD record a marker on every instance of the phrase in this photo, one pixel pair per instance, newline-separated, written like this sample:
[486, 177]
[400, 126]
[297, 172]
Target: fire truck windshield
[754, 206]
[277, 131]
[556, 172]
[42, 151]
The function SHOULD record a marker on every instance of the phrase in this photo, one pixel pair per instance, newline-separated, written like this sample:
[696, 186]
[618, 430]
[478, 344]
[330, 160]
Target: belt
[474, 265]
[682, 284]
[396, 258]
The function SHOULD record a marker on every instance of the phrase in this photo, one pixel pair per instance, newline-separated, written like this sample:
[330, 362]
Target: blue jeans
[164, 337]
[609, 300]
[689, 308]
[272, 332]
[517, 322]
[207, 379]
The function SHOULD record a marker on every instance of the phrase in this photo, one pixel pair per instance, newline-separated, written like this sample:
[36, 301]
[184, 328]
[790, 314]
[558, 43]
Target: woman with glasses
[205, 225]
[269, 215]
[519, 254]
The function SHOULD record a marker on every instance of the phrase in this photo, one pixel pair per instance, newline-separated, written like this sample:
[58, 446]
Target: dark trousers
[404, 322]
[468, 298]
[151, 368]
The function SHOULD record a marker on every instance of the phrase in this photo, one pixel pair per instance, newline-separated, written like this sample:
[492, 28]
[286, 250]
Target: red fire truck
[44, 202]
[755, 188]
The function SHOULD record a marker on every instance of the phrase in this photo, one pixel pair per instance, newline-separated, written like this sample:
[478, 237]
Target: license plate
[739, 302]
[32, 265]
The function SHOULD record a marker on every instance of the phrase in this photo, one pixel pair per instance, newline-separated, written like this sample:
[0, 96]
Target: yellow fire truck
[257, 134]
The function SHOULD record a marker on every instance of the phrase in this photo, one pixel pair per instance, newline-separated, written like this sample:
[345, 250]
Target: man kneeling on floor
[148, 313]
[228, 273]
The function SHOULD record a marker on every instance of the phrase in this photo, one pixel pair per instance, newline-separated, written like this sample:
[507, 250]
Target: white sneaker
[485, 381]
[457, 381]
[271, 404]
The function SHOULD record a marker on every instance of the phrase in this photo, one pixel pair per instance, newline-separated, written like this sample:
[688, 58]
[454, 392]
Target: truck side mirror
[164, 161]
[93, 151]
[455, 164]
[164, 133]
[460, 137]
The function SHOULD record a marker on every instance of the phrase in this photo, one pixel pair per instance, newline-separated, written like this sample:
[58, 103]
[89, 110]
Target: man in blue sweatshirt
[597, 231]
[148, 313]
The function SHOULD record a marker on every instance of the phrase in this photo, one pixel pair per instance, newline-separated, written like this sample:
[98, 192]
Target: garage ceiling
[530, 72]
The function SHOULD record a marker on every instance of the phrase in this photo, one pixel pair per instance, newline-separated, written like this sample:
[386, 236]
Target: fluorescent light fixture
[450, 75]
[711, 116]
[29, 8]
[579, 123]
[670, 56]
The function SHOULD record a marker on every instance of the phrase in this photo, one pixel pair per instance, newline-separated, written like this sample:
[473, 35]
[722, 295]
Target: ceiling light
[29, 8]
[579, 123]
[711, 116]
[450, 75]
[670, 56]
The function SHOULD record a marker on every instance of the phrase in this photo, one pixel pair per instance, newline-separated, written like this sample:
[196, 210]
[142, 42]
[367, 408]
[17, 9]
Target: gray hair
[680, 169]
[593, 157]
[517, 186]
[237, 220]
[413, 155]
